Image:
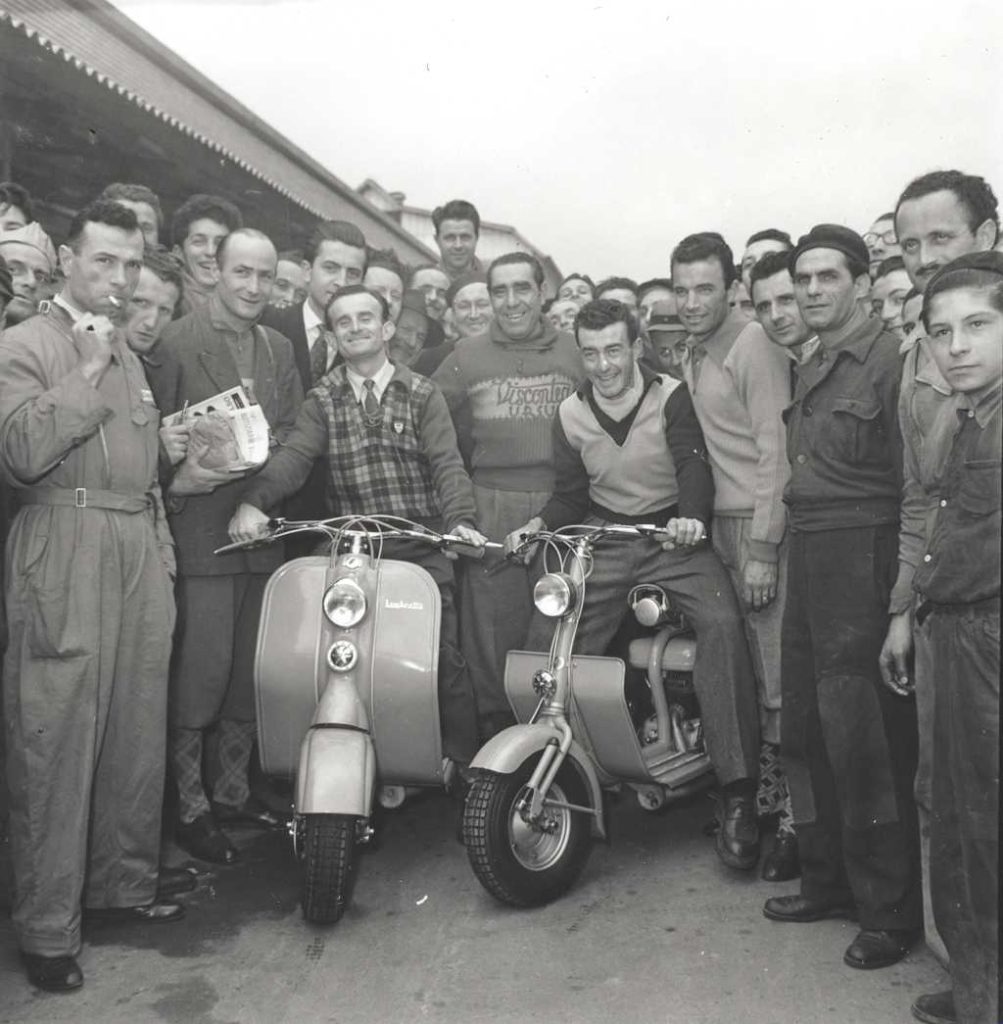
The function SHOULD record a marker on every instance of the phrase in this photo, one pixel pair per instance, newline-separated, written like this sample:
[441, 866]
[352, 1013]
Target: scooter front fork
[532, 805]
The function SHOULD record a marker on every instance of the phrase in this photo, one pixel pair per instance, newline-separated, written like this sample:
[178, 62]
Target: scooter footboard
[507, 750]
[337, 772]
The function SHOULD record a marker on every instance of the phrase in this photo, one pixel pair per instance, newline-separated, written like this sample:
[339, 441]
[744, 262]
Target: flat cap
[415, 301]
[831, 236]
[31, 234]
[663, 318]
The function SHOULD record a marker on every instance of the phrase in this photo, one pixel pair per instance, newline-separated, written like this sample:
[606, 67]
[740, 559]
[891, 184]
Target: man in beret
[849, 743]
[31, 259]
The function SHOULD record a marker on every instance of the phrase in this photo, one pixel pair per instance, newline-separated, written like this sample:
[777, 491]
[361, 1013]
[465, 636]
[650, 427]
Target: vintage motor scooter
[346, 682]
[536, 801]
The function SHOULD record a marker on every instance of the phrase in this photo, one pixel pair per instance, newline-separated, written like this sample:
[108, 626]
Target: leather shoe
[53, 973]
[874, 948]
[782, 863]
[738, 838]
[202, 838]
[174, 881]
[253, 812]
[149, 913]
[801, 909]
[936, 1008]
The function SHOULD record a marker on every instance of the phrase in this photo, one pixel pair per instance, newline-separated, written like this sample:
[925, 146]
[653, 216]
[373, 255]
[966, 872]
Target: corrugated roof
[104, 44]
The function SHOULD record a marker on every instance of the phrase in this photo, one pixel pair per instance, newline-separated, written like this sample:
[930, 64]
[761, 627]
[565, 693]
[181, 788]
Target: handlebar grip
[467, 550]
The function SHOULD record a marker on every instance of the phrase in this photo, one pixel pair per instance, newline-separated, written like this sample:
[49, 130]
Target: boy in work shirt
[958, 583]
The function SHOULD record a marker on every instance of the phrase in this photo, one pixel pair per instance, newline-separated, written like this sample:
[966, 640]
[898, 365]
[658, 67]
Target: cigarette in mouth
[117, 303]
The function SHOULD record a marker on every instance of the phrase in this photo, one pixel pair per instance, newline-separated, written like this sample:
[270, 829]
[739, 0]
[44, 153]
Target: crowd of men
[816, 429]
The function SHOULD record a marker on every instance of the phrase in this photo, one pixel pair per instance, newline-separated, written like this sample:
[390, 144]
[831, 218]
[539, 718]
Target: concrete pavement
[657, 930]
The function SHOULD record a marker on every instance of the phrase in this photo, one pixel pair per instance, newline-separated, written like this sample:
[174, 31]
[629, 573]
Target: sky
[605, 132]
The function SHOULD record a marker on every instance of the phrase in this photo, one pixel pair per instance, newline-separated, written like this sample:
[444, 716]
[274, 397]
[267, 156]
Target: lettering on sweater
[519, 398]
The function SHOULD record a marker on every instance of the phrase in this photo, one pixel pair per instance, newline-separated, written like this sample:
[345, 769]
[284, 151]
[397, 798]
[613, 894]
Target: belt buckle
[80, 497]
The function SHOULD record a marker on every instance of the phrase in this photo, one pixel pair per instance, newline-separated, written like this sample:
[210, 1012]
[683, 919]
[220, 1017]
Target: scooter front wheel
[521, 863]
[328, 863]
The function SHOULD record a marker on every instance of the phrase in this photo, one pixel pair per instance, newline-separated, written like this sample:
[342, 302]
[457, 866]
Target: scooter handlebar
[461, 547]
[379, 528]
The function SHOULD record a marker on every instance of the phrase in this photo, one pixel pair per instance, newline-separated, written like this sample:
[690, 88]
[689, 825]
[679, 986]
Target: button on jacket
[962, 561]
[843, 437]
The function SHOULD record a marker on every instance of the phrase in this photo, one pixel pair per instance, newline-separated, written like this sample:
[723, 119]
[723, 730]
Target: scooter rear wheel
[518, 863]
[328, 862]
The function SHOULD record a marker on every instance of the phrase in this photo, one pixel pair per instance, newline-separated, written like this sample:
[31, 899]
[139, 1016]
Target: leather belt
[85, 497]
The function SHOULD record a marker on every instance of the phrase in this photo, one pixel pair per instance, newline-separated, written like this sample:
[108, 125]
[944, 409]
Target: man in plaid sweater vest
[391, 450]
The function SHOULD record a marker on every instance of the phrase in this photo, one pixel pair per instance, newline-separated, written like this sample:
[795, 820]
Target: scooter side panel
[404, 682]
[287, 682]
[520, 666]
[602, 705]
[508, 749]
[337, 773]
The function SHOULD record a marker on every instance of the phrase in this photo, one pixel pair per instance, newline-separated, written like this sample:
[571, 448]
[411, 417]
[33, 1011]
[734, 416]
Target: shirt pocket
[979, 487]
[857, 433]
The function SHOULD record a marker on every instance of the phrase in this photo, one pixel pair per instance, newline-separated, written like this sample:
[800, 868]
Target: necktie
[318, 356]
[370, 403]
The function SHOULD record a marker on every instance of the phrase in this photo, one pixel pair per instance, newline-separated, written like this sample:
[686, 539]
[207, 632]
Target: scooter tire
[328, 864]
[517, 866]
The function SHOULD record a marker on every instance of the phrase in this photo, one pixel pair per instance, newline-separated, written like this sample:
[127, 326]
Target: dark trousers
[699, 587]
[849, 743]
[964, 832]
[213, 668]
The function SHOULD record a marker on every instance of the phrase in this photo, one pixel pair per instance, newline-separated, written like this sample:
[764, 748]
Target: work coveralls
[91, 612]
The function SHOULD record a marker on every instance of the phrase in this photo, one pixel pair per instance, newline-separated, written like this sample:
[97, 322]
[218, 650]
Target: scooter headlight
[554, 594]
[344, 603]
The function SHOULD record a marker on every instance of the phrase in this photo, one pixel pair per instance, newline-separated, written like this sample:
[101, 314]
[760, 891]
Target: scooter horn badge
[342, 656]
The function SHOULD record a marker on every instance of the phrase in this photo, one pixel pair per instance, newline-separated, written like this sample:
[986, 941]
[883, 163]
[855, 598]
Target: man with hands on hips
[628, 449]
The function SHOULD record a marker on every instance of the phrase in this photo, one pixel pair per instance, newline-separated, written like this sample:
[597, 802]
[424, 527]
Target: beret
[461, 282]
[831, 236]
[991, 262]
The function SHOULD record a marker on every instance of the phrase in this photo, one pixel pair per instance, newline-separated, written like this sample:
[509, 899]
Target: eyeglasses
[888, 237]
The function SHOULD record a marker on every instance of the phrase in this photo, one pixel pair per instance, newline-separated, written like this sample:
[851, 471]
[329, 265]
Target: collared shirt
[843, 439]
[962, 560]
[315, 328]
[239, 342]
[927, 415]
[380, 380]
[64, 304]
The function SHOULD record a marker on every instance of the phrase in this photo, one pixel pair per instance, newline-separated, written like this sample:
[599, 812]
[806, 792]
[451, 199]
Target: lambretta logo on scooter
[407, 606]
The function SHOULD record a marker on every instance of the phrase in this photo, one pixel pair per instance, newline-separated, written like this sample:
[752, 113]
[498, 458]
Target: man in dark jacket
[219, 598]
[849, 745]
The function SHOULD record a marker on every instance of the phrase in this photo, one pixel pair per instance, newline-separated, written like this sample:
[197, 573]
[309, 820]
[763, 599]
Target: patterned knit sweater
[508, 392]
[402, 462]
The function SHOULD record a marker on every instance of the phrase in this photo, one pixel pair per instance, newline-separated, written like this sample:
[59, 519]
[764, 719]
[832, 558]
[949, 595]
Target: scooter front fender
[507, 750]
[337, 772]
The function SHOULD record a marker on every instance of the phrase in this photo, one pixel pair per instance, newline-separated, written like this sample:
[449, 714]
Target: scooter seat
[679, 655]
